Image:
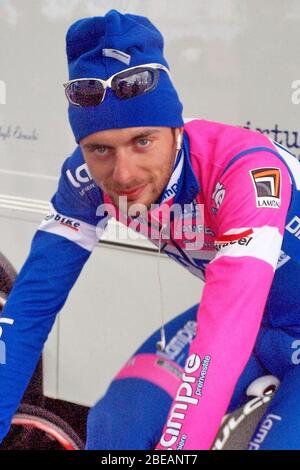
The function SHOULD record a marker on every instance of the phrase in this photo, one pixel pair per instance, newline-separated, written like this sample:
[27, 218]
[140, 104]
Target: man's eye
[101, 150]
[144, 142]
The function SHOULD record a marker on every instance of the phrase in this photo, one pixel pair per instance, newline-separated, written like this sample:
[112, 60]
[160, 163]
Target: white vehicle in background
[231, 61]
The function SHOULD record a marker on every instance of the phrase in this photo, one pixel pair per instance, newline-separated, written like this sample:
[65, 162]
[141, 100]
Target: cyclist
[133, 144]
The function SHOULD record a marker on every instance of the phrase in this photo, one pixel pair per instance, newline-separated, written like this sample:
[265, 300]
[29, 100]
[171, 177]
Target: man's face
[135, 162]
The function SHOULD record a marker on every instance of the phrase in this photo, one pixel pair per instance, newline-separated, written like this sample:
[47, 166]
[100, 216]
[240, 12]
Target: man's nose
[123, 172]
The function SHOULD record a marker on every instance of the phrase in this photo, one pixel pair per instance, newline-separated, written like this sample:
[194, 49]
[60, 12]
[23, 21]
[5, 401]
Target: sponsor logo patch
[241, 238]
[63, 221]
[118, 55]
[218, 197]
[267, 185]
[82, 175]
[294, 226]
[283, 258]
[241, 242]
[184, 398]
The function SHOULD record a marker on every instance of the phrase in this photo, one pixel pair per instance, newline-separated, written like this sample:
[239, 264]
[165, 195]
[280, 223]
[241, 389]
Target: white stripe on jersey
[81, 233]
[264, 243]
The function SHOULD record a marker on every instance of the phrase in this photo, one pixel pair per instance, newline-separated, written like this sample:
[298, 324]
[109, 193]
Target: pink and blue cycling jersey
[249, 189]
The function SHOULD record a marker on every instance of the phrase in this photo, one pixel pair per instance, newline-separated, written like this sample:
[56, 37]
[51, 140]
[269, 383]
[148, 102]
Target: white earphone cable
[162, 343]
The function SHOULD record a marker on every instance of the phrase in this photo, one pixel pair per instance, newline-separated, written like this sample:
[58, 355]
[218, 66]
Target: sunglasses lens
[85, 92]
[134, 83]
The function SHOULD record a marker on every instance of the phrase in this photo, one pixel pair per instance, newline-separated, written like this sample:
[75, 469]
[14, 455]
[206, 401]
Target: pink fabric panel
[147, 367]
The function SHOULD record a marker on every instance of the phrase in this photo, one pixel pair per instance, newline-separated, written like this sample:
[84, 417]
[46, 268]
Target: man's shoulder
[77, 194]
[204, 131]
[218, 143]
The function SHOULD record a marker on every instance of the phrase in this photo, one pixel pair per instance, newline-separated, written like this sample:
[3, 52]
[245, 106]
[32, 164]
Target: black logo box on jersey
[267, 185]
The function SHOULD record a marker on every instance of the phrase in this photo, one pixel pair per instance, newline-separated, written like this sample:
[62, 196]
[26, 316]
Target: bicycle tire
[238, 427]
[36, 428]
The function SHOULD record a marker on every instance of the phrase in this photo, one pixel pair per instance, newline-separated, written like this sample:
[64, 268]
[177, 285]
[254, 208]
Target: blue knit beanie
[98, 47]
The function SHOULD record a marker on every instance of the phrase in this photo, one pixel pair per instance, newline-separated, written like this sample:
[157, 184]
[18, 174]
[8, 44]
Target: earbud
[161, 344]
[179, 142]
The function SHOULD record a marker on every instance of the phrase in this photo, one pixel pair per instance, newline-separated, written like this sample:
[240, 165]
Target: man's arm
[238, 281]
[59, 250]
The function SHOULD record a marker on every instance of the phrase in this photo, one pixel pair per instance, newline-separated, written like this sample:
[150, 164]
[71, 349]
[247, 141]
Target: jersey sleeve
[250, 216]
[59, 249]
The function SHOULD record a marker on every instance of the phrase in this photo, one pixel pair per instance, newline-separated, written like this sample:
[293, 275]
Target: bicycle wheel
[238, 427]
[35, 428]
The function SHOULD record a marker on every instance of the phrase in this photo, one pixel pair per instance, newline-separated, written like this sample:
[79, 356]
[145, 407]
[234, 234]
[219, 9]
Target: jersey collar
[188, 184]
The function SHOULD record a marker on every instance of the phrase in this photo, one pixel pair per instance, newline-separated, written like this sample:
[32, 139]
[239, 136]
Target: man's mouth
[131, 193]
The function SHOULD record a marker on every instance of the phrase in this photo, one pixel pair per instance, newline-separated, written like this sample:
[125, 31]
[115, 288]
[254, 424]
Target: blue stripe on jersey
[249, 152]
